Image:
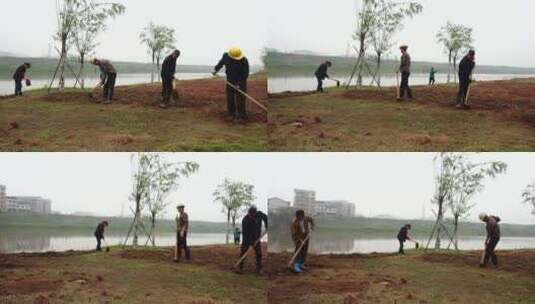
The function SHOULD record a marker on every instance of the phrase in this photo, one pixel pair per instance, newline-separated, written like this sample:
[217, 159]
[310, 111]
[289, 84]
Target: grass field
[72, 121]
[502, 119]
[418, 277]
[129, 276]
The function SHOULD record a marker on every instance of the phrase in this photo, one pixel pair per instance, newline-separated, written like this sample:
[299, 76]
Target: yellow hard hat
[235, 53]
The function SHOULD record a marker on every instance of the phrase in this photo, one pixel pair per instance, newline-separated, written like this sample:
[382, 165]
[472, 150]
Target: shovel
[249, 250]
[397, 85]
[482, 260]
[416, 244]
[93, 90]
[106, 244]
[292, 261]
[337, 82]
[256, 102]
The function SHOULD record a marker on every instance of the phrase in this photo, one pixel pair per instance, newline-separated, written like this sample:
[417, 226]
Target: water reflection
[308, 83]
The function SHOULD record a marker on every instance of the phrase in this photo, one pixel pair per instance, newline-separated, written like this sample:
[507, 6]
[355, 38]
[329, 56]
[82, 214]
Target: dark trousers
[258, 254]
[404, 87]
[109, 86]
[489, 251]
[302, 256]
[98, 243]
[320, 84]
[431, 81]
[235, 100]
[182, 244]
[464, 84]
[236, 240]
[401, 243]
[167, 88]
[18, 87]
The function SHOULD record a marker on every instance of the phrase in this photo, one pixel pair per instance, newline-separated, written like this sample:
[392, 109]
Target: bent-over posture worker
[168, 76]
[405, 70]
[251, 233]
[108, 74]
[99, 233]
[19, 76]
[493, 237]
[466, 67]
[237, 71]
[182, 226]
[301, 227]
[432, 73]
[321, 74]
[403, 235]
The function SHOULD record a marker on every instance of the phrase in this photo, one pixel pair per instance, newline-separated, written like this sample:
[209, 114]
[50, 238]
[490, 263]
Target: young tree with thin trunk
[528, 195]
[158, 39]
[456, 39]
[235, 198]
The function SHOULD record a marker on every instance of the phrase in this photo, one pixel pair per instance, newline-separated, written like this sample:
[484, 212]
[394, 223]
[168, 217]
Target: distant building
[305, 199]
[31, 204]
[275, 203]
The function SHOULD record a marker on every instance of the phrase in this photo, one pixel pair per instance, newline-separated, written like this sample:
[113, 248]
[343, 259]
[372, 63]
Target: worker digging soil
[99, 233]
[403, 235]
[252, 235]
[466, 68]
[300, 228]
[19, 76]
[237, 72]
[168, 76]
[321, 75]
[493, 237]
[108, 75]
[182, 225]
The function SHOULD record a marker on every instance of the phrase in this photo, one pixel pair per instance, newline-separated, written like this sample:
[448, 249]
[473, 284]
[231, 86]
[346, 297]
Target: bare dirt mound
[206, 96]
[512, 261]
[28, 286]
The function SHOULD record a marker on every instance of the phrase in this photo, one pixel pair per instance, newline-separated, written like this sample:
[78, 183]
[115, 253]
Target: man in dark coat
[403, 235]
[237, 71]
[182, 226]
[99, 233]
[405, 70]
[108, 74]
[466, 67]
[168, 76]
[321, 74]
[19, 76]
[251, 232]
[493, 237]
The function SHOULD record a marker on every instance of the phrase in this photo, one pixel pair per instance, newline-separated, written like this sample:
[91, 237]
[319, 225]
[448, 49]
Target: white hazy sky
[398, 184]
[205, 29]
[504, 31]
[101, 182]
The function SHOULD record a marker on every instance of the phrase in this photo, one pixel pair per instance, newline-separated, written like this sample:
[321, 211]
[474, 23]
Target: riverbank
[143, 275]
[368, 119]
[72, 121]
[418, 277]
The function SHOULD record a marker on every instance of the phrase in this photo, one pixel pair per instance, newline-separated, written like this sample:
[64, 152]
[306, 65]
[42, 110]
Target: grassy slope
[384, 125]
[128, 281]
[405, 279]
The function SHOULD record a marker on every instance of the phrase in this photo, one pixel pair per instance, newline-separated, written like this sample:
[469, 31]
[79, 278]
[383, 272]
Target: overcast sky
[504, 31]
[101, 183]
[398, 184]
[205, 29]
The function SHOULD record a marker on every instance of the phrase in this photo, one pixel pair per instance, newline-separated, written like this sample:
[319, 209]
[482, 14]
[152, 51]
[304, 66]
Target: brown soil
[205, 96]
[25, 286]
[289, 94]
[512, 261]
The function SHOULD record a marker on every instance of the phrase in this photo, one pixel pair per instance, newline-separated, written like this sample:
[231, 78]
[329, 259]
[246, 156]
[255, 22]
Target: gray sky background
[101, 182]
[205, 29]
[503, 31]
[398, 184]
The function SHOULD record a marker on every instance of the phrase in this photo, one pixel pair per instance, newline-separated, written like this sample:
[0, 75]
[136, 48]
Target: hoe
[249, 250]
[290, 264]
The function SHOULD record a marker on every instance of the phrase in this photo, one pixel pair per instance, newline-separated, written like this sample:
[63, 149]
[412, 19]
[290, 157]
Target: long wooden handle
[298, 251]
[258, 103]
[483, 255]
[397, 84]
[249, 250]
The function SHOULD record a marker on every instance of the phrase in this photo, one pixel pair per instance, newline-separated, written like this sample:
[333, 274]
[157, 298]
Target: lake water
[309, 83]
[8, 86]
[339, 245]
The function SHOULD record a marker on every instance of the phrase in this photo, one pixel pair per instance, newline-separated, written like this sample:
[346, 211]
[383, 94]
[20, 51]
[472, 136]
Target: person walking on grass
[237, 71]
[301, 227]
[466, 68]
[108, 75]
[19, 76]
[237, 236]
[403, 235]
[405, 70]
[99, 233]
[432, 73]
[493, 237]
[182, 226]
[168, 76]
[321, 75]
[252, 232]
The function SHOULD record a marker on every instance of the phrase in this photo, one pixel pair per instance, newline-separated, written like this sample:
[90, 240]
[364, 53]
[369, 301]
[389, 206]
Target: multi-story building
[33, 204]
[275, 203]
[3, 200]
[305, 199]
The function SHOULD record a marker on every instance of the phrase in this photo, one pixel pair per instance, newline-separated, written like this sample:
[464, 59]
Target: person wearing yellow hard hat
[237, 71]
